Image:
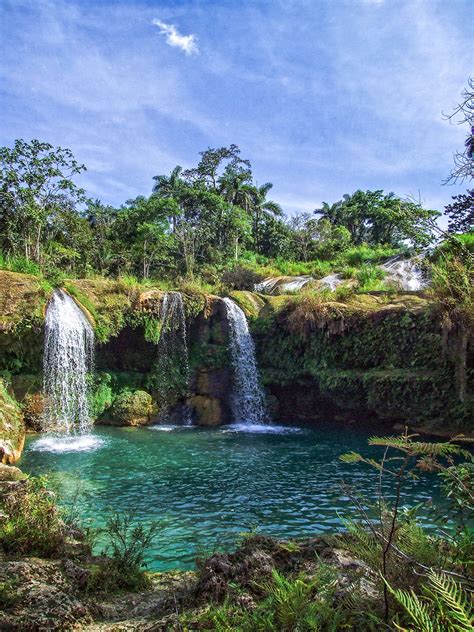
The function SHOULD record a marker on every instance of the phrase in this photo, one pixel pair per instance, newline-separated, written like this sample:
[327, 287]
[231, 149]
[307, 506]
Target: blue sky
[323, 96]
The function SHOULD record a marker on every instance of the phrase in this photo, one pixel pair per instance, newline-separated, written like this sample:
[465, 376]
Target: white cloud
[187, 43]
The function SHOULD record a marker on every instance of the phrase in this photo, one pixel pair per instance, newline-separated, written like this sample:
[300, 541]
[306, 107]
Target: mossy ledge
[374, 357]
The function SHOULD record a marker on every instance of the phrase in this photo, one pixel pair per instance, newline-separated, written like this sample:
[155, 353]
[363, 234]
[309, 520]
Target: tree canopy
[206, 215]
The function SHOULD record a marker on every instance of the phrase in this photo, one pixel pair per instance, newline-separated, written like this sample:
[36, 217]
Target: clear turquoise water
[205, 486]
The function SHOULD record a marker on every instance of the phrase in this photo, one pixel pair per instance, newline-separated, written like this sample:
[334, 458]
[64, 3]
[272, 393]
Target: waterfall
[68, 355]
[172, 366]
[248, 401]
[282, 285]
[405, 273]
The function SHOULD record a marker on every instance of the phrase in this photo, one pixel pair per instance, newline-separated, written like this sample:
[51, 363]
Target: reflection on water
[205, 486]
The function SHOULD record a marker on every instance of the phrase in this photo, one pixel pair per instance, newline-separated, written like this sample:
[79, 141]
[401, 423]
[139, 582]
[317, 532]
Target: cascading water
[282, 285]
[248, 401]
[68, 357]
[406, 273]
[331, 281]
[172, 366]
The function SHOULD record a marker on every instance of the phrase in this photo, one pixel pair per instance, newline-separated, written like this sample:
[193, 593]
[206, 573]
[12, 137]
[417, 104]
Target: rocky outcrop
[12, 427]
[130, 408]
[211, 381]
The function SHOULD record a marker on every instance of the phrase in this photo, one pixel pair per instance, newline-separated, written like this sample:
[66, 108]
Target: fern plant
[389, 541]
[444, 607]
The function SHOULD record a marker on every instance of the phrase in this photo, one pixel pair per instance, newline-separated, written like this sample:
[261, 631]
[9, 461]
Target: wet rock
[33, 407]
[208, 410]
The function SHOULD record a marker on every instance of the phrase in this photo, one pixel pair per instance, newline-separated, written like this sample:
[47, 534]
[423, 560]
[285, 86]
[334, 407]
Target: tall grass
[17, 263]
[358, 255]
[371, 279]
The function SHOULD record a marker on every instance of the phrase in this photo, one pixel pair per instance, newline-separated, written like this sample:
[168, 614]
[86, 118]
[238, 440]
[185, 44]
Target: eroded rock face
[12, 427]
[211, 381]
[208, 410]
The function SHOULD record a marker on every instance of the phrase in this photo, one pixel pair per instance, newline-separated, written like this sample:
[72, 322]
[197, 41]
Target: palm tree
[170, 187]
[261, 207]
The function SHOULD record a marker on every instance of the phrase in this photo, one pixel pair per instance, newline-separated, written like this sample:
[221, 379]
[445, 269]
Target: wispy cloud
[358, 107]
[186, 43]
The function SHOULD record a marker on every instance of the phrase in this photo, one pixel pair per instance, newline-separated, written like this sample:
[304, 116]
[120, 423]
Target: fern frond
[452, 601]
[419, 612]
[351, 457]
[416, 447]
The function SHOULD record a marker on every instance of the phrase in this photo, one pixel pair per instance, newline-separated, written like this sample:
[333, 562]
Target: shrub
[126, 547]
[370, 278]
[32, 524]
[240, 278]
[358, 255]
[102, 396]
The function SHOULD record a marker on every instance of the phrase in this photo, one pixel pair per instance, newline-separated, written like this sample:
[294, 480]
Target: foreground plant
[389, 539]
[126, 547]
[442, 607]
[31, 523]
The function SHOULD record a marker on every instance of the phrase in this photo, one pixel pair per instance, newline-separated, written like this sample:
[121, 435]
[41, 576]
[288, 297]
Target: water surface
[205, 486]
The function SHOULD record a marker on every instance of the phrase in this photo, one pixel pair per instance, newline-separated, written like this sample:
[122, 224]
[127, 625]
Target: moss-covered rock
[12, 427]
[376, 356]
[131, 408]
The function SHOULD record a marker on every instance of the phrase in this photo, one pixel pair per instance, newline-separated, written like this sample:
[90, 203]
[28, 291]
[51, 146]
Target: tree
[304, 227]
[142, 234]
[170, 188]
[101, 219]
[35, 182]
[213, 163]
[262, 209]
[461, 212]
[464, 160]
[374, 218]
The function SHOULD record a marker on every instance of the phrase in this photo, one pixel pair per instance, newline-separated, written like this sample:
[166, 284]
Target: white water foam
[73, 443]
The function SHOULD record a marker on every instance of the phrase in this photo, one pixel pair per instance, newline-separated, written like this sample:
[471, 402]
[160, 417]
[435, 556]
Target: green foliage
[101, 394]
[388, 538]
[451, 280]
[33, 525]
[443, 606]
[285, 604]
[126, 546]
[370, 278]
[37, 200]
[204, 220]
[18, 263]
[374, 218]
[357, 255]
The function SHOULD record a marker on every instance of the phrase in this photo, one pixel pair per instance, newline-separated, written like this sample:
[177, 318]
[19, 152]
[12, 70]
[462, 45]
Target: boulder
[131, 408]
[208, 410]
